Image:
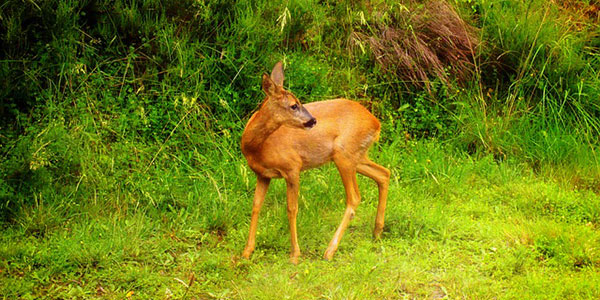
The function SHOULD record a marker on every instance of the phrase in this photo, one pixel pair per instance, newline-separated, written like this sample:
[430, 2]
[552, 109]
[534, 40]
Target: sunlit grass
[455, 226]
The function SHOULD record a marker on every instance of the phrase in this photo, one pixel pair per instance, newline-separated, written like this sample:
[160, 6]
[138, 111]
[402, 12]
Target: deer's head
[282, 105]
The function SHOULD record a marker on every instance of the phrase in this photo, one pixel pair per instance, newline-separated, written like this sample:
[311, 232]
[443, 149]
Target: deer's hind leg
[262, 184]
[381, 175]
[347, 170]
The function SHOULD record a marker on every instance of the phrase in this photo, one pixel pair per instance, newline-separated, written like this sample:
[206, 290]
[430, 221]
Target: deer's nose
[311, 123]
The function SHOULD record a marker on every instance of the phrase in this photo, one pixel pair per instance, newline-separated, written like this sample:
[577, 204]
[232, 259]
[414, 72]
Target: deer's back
[343, 127]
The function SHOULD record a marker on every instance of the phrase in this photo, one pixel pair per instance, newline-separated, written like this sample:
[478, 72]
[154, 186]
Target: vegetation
[121, 174]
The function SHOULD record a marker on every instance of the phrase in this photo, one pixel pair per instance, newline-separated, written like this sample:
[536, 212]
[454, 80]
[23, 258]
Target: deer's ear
[268, 86]
[277, 74]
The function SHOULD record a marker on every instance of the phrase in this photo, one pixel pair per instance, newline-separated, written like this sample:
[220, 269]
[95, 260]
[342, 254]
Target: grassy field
[121, 174]
[456, 227]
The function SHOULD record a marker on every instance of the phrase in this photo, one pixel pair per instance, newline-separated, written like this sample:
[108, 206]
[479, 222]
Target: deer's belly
[315, 158]
[264, 171]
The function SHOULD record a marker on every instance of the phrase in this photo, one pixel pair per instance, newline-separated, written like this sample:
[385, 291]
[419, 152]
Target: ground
[456, 227]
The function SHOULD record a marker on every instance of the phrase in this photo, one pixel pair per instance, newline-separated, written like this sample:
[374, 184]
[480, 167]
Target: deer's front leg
[262, 184]
[293, 184]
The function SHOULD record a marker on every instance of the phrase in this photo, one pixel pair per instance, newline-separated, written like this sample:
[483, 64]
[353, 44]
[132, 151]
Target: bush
[124, 90]
[419, 41]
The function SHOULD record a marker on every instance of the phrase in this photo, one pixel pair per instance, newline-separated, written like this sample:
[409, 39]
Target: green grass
[456, 227]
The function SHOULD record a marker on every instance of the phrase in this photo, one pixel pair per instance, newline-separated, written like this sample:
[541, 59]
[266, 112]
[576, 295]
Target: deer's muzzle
[311, 123]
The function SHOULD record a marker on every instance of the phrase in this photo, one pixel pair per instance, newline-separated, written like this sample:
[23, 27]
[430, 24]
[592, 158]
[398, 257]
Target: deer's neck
[258, 129]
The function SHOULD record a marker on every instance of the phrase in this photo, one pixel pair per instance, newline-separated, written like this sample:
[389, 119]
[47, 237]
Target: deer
[284, 137]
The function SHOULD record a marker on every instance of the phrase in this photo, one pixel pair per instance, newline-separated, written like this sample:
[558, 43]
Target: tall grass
[418, 41]
[540, 102]
[132, 87]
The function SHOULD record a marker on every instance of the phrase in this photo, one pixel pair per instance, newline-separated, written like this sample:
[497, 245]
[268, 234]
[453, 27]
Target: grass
[456, 227]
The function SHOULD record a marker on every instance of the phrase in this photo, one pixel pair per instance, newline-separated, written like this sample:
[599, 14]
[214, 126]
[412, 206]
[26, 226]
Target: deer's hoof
[294, 257]
[246, 254]
[328, 255]
[377, 233]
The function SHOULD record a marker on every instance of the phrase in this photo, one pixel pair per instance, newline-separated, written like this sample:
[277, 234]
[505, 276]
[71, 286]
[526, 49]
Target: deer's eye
[294, 107]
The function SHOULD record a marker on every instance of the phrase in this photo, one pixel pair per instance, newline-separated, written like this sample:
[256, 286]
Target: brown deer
[285, 137]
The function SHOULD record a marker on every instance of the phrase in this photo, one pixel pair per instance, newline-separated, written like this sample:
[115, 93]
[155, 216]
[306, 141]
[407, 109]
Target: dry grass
[581, 11]
[420, 41]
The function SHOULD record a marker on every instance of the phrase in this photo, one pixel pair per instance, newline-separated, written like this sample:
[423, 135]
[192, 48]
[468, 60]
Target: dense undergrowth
[128, 112]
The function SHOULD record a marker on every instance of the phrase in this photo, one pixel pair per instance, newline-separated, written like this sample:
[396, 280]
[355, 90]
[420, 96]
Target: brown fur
[276, 145]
